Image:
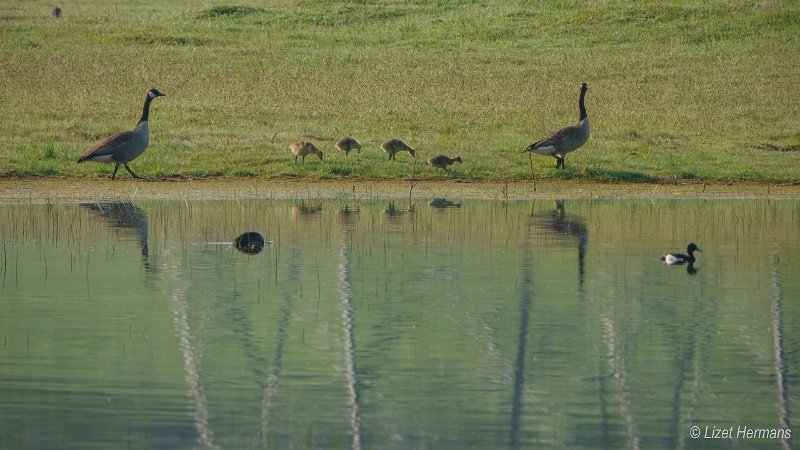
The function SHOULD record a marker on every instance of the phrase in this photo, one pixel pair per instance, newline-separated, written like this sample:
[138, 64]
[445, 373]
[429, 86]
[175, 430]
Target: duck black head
[693, 248]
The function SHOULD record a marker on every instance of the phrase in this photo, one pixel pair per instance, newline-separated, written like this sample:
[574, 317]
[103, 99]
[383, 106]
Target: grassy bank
[683, 90]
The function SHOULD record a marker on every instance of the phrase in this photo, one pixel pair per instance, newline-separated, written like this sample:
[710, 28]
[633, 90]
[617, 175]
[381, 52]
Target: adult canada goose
[125, 146]
[347, 145]
[680, 258]
[442, 161]
[56, 12]
[394, 146]
[303, 148]
[560, 142]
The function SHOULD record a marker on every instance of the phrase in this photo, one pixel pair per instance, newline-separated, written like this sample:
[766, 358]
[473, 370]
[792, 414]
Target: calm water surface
[377, 324]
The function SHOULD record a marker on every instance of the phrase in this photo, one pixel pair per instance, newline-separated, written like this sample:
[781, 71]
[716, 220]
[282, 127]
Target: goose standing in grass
[125, 146]
[304, 148]
[347, 145]
[394, 146]
[442, 161]
[560, 142]
[680, 258]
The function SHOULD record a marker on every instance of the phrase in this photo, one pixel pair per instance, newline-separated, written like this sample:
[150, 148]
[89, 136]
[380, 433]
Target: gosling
[347, 145]
[394, 146]
[303, 148]
[443, 161]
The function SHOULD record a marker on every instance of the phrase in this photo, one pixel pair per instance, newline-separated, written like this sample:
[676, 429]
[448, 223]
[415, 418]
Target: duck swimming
[680, 258]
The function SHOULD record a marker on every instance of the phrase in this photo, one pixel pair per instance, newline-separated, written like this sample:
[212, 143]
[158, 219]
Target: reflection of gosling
[303, 148]
[394, 146]
[347, 145]
[443, 161]
[440, 202]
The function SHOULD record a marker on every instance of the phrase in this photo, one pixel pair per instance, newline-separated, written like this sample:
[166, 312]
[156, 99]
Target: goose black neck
[146, 110]
[581, 105]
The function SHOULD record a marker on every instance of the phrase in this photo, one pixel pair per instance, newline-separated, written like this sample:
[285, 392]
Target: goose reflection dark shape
[250, 243]
[123, 215]
[676, 259]
[560, 222]
[441, 202]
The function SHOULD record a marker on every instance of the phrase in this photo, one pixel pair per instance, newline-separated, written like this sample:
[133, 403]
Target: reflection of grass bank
[57, 189]
[692, 91]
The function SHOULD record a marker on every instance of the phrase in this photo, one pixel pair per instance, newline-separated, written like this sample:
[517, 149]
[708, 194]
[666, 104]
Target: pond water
[378, 324]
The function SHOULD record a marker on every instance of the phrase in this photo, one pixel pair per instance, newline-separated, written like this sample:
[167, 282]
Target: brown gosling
[347, 145]
[303, 148]
[393, 146]
[443, 161]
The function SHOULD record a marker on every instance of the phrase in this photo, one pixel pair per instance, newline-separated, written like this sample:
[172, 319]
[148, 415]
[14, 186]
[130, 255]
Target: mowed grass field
[688, 90]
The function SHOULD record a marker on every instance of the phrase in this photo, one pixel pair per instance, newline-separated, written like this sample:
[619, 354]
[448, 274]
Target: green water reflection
[377, 324]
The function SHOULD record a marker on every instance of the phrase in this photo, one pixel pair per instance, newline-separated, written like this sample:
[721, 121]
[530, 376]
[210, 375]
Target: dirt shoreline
[57, 190]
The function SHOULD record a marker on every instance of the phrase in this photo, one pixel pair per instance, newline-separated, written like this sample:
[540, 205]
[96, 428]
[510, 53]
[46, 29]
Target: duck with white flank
[560, 142]
[125, 146]
[674, 259]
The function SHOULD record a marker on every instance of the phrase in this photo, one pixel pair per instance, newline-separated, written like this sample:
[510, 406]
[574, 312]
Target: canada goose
[56, 13]
[303, 148]
[393, 146]
[680, 258]
[443, 161]
[125, 146]
[347, 145]
[560, 142]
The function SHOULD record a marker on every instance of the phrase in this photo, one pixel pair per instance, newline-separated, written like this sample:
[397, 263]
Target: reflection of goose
[303, 212]
[124, 215]
[395, 212]
[562, 223]
[679, 258]
[443, 203]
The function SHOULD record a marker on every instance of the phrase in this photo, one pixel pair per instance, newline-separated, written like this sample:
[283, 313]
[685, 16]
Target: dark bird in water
[125, 146]
[560, 142]
[347, 145]
[443, 161]
[395, 146]
[250, 243]
[680, 258]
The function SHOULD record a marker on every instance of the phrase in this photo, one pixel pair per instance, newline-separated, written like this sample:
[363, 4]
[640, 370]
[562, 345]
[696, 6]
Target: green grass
[689, 90]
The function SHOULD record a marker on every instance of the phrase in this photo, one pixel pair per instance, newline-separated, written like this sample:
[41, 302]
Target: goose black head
[584, 87]
[153, 93]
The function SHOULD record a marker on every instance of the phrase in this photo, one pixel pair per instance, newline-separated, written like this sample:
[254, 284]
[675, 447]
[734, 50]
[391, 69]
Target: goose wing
[554, 138]
[108, 146]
